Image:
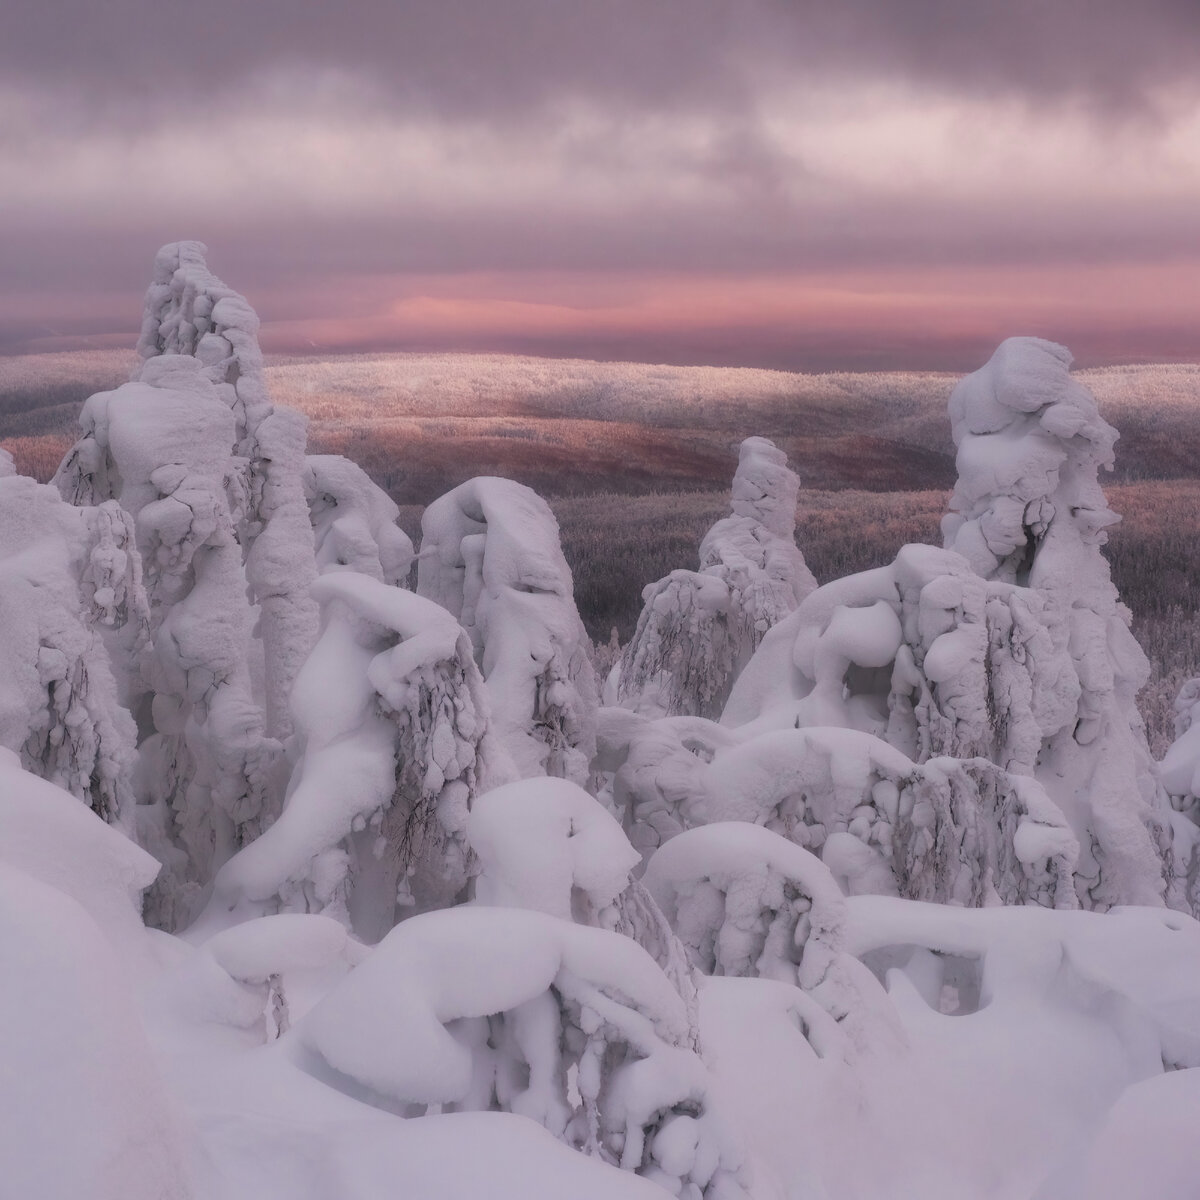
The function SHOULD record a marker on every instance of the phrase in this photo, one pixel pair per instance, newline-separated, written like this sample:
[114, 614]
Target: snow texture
[354, 521]
[395, 743]
[189, 311]
[698, 629]
[471, 1010]
[86, 1112]
[490, 556]
[67, 574]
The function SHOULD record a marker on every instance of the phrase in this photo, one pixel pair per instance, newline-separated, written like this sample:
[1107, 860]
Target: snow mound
[545, 844]
[86, 1111]
[471, 1010]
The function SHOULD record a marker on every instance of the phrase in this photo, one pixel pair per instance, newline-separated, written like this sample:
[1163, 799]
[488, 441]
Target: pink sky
[870, 184]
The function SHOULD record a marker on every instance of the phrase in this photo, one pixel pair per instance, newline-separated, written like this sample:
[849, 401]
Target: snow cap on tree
[490, 555]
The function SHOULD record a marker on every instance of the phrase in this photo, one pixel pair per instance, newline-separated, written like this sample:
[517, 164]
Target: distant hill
[420, 423]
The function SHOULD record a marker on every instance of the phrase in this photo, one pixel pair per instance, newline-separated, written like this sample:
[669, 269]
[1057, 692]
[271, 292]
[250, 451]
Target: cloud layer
[751, 180]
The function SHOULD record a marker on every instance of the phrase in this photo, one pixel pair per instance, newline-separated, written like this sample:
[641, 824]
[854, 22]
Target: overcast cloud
[860, 183]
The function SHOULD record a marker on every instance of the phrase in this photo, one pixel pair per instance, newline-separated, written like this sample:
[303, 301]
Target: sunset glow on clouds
[713, 182]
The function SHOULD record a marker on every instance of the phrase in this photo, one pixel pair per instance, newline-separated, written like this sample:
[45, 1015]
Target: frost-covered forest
[337, 860]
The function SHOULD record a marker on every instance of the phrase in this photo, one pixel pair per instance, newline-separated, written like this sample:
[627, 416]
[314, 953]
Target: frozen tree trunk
[189, 311]
[699, 628]
[490, 555]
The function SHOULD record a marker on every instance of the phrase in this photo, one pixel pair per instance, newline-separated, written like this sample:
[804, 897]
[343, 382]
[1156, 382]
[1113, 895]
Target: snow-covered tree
[396, 740]
[1028, 509]
[354, 521]
[159, 447]
[698, 629]
[490, 556]
[66, 576]
[486, 1009]
[950, 830]
[189, 311]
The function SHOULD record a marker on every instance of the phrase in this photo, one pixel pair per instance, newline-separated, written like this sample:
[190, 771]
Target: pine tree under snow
[864, 890]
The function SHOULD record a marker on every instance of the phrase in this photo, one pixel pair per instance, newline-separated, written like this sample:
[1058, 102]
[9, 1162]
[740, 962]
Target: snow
[190, 312]
[1144, 1149]
[395, 742]
[863, 891]
[434, 1015]
[699, 628]
[93, 1117]
[65, 574]
[354, 521]
[490, 555]
[545, 844]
